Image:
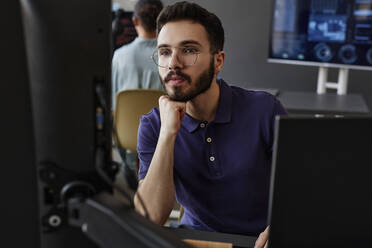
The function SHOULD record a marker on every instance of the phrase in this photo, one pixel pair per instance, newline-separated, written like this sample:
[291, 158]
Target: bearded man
[208, 145]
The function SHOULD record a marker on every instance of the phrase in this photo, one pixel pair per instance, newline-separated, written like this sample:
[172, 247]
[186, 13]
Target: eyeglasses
[187, 56]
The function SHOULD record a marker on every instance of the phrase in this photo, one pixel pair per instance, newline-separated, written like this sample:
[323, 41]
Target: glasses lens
[155, 58]
[189, 59]
[164, 59]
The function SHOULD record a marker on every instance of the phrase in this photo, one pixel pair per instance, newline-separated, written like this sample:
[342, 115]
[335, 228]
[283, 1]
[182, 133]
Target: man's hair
[193, 12]
[146, 11]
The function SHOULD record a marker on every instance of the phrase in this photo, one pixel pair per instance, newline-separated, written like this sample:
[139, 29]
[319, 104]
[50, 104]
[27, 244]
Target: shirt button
[202, 125]
[211, 158]
[209, 140]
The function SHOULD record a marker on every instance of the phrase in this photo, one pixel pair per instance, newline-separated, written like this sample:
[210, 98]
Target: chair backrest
[130, 105]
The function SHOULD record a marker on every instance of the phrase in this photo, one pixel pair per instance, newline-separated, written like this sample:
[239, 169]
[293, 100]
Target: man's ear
[219, 60]
[135, 21]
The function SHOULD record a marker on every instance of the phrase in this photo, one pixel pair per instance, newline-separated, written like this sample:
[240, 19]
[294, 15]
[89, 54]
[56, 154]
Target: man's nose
[175, 62]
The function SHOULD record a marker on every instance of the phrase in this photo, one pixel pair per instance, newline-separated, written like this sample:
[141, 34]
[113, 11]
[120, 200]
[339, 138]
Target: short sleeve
[148, 133]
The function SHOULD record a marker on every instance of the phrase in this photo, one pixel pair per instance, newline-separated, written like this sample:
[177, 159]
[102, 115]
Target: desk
[235, 239]
[313, 103]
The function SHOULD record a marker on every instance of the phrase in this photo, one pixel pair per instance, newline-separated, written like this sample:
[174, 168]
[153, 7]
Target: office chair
[130, 105]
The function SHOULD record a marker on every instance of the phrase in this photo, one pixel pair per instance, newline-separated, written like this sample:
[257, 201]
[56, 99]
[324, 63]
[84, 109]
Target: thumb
[261, 241]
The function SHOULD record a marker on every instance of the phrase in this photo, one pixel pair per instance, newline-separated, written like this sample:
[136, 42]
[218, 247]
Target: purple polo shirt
[221, 168]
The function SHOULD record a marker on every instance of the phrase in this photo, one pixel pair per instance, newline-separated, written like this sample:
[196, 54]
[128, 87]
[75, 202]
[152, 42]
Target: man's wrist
[167, 135]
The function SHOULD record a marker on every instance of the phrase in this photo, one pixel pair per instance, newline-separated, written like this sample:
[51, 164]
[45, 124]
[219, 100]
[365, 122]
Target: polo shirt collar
[190, 123]
[223, 113]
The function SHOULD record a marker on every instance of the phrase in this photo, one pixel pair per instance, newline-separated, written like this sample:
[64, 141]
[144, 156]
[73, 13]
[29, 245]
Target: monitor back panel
[18, 208]
[321, 183]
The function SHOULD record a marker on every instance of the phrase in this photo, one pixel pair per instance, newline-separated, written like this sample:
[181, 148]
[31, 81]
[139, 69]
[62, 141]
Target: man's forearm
[157, 188]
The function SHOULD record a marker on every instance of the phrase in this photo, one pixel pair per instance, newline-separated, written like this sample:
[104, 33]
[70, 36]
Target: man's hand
[261, 242]
[171, 115]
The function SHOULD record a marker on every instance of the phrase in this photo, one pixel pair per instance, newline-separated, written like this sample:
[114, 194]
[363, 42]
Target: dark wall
[246, 24]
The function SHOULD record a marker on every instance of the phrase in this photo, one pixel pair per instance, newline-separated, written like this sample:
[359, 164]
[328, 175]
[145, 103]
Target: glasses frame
[155, 54]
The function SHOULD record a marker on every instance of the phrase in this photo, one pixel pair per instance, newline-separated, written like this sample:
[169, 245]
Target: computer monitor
[18, 208]
[321, 183]
[69, 54]
[56, 133]
[332, 33]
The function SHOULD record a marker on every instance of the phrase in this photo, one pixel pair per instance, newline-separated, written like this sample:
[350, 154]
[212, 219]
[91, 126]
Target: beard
[202, 84]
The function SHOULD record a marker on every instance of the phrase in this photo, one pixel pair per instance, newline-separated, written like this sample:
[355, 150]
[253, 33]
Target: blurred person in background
[132, 67]
[123, 31]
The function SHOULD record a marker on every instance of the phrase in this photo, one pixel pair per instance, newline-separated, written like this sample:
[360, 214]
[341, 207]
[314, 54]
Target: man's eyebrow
[190, 42]
[163, 45]
[183, 43]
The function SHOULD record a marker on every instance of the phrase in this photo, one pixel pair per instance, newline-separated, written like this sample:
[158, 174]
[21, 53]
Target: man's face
[184, 82]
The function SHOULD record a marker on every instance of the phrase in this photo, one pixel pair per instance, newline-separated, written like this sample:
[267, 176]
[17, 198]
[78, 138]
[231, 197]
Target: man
[209, 144]
[132, 67]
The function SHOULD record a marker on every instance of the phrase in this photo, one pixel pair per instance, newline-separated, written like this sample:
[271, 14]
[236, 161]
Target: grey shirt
[133, 68]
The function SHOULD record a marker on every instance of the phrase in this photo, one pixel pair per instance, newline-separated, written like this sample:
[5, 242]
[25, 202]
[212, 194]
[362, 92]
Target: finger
[180, 106]
[162, 99]
[182, 115]
[259, 242]
[262, 239]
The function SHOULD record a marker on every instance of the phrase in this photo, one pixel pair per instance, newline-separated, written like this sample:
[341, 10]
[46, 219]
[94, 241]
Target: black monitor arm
[112, 224]
[87, 201]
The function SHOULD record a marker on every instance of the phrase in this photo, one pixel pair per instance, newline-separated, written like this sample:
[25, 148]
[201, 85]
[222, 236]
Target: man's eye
[189, 50]
[164, 52]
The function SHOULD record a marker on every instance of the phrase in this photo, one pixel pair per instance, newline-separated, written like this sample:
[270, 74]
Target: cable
[123, 157]
[106, 178]
[127, 170]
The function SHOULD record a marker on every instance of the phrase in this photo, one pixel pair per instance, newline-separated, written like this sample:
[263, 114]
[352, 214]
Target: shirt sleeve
[148, 133]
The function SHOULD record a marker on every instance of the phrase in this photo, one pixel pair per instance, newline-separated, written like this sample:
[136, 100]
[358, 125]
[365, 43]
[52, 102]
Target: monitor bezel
[318, 64]
[271, 59]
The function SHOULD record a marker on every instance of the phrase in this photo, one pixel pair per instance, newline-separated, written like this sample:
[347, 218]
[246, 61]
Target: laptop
[321, 182]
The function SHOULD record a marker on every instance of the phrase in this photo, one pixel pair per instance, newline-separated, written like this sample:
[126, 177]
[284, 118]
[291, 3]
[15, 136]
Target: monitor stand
[341, 85]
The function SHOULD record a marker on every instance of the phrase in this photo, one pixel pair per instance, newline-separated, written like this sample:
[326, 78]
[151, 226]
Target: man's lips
[175, 80]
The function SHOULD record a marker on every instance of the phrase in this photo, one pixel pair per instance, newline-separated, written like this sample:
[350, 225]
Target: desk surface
[236, 240]
[324, 103]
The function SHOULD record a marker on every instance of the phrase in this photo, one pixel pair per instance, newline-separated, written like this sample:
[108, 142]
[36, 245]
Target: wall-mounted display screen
[335, 33]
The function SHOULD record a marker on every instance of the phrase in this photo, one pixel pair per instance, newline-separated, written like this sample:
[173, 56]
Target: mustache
[179, 74]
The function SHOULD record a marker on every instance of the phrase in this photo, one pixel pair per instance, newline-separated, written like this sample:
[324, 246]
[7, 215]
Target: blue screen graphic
[324, 31]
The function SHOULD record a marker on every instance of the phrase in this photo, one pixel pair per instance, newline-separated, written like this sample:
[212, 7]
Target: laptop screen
[321, 187]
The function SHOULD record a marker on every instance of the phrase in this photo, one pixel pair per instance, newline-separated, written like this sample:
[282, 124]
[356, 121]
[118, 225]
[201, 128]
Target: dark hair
[120, 13]
[146, 11]
[123, 31]
[193, 12]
